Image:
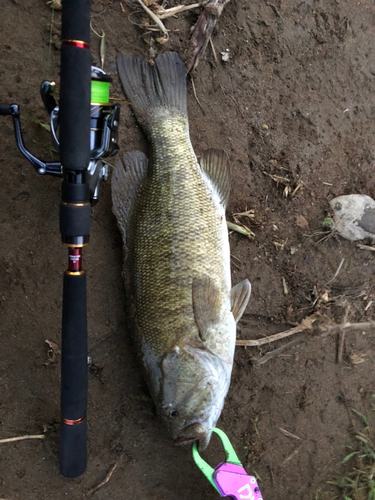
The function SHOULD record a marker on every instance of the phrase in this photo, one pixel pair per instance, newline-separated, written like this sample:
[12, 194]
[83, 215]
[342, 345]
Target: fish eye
[173, 413]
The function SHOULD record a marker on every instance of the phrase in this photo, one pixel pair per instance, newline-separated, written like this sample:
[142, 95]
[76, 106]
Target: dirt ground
[295, 100]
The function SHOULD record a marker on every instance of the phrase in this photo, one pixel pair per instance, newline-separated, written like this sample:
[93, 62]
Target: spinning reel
[103, 130]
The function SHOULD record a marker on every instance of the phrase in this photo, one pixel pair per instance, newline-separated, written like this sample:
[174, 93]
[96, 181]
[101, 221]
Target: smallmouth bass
[171, 214]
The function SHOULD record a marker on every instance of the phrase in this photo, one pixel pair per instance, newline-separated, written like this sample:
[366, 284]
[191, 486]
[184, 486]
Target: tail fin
[150, 88]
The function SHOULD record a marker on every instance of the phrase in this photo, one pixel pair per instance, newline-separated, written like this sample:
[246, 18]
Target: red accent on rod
[75, 260]
[76, 43]
[73, 422]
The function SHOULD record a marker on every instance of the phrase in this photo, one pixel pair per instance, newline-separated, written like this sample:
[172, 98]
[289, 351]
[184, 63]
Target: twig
[239, 260]
[203, 31]
[306, 324]
[278, 178]
[176, 10]
[155, 18]
[340, 348]
[278, 351]
[248, 213]
[235, 264]
[366, 247]
[369, 304]
[337, 272]
[213, 50]
[323, 331]
[107, 478]
[349, 326]
[22, 438]
[195, 95]
[289, 434]
[290, 456]
[299, 185]
[285, 286]
[341, 340]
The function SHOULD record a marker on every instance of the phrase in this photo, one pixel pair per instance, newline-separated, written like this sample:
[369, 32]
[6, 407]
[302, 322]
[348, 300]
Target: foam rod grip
[75, 85]
[74, 377]
[75, 23]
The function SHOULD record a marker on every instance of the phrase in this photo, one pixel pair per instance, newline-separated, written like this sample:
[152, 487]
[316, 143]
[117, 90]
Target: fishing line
[99, 92]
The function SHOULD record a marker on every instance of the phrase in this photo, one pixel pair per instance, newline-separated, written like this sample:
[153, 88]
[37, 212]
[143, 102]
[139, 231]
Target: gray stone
[354, 216]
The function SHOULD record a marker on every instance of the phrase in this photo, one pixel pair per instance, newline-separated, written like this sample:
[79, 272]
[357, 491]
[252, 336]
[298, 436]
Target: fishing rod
[84, 127]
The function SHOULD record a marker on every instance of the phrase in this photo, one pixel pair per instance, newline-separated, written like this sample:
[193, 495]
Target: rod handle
[74, 376]
[75, 85]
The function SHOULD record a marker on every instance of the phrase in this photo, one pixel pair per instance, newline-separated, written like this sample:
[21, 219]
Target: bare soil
[295, 100]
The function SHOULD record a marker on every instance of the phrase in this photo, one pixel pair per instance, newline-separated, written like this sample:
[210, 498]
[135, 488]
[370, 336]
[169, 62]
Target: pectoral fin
[206, 305]
[239, 297]
[125, 184]
[216, 165]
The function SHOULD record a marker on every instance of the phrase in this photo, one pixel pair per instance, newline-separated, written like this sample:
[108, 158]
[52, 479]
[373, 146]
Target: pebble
[354, 216]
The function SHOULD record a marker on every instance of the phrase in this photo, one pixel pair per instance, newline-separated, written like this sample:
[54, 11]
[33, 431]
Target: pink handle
[232, 480]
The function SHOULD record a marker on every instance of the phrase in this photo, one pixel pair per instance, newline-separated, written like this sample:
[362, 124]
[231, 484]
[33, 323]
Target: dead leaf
[302, 222]
[357, 359]
[52, 352]
[307, 323]
[102, 49]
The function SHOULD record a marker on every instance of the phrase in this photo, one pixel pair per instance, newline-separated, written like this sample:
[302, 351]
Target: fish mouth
[192, 433]
[184, 440]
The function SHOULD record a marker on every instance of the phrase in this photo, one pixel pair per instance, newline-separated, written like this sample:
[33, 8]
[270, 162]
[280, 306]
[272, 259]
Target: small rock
[354, 216]
[301, 222]
[225, 56]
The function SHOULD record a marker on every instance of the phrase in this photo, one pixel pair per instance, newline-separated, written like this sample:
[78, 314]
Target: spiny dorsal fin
[215, 163]
[206, 305]
[125, 184]
[239, 297]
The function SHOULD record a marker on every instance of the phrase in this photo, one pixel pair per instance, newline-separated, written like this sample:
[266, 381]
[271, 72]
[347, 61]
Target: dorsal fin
[215, 163]
[125, 184]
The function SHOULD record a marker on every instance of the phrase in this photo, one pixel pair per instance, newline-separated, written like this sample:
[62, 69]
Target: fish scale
[168, 231]
[171, 214]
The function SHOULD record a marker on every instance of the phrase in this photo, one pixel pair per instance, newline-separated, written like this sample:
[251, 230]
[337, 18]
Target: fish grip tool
[229, 478]
[84, 127]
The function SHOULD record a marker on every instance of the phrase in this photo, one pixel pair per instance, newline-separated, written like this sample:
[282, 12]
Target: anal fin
[239, 297]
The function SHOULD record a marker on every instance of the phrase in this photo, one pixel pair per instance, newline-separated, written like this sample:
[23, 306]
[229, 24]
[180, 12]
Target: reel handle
[5, 109]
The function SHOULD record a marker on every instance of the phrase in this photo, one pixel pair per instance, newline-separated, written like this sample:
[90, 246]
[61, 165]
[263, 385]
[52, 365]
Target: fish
[171, 214]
